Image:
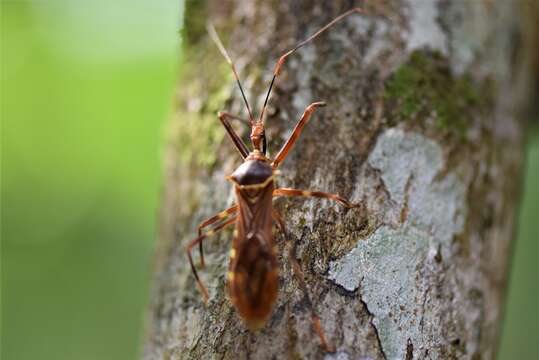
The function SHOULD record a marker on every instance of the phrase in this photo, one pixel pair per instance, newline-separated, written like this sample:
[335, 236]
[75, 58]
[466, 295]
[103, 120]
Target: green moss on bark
[424, 87]
[194, 25]
[205, 86]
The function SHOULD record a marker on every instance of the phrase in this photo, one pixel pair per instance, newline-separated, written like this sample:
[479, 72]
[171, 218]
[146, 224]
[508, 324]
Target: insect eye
[264, 143]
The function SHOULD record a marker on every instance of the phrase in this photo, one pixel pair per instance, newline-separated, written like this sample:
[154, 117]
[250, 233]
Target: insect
[252, 278]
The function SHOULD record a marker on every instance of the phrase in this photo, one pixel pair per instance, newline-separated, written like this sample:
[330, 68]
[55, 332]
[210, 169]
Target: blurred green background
[86, 89]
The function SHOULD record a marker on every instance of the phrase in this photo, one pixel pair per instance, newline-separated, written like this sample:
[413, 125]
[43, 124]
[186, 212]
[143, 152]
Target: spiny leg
[298, 273]
[295, 134]
[238, 142]
[282, 59]
[196, 241]
[221, 216]
[317, 194]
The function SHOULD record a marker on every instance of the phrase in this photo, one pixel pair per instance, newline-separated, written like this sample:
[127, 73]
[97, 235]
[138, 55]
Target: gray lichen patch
[385, 266]
[470, 35]
[395, 266]
[438, 208]
[425, 31]
[372, 264]
[408, 164]
[399, 155]
[470, 28]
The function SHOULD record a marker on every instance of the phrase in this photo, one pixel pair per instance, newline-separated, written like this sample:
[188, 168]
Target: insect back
[253, 275]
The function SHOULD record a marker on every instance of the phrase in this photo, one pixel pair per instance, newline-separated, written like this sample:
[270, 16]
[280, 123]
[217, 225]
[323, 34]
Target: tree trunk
[420, 128]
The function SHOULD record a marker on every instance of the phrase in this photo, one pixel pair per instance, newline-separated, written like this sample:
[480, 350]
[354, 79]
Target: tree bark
[420, 128]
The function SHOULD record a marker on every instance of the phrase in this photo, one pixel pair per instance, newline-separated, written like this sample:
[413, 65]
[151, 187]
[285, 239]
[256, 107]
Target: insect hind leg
[298, 273]
[316, 194]
[194, 243]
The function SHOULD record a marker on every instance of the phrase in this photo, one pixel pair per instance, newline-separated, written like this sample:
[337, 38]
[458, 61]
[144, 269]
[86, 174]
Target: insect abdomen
[253, 273]
[253, 289]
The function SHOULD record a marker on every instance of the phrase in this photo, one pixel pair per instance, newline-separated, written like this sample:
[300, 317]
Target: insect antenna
[217, 41]
[290, 52]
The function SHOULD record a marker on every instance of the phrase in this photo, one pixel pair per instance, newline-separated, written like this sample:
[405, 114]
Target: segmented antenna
[290, 52]
[217, 41]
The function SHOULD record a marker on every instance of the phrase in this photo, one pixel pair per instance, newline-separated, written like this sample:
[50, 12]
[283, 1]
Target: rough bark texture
[420, 127]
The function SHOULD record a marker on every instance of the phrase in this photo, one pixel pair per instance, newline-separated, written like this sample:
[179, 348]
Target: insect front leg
[296, 133]
[198, 240]
[298, 273]
[221, 216]
[317, 194]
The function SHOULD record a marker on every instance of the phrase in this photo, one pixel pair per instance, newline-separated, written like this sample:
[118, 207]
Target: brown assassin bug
[253, 271]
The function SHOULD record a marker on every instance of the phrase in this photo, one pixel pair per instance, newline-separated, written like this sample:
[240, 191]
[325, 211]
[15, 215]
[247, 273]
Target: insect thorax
[252, 173]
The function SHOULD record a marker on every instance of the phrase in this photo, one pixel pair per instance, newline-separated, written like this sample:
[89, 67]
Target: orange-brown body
[253, 275]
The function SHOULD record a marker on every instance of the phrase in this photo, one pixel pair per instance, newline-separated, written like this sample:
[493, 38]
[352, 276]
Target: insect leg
[196, 241]
[240, 145]
[298, 273]
[221, 216]
[295, 134]
[318, 194]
